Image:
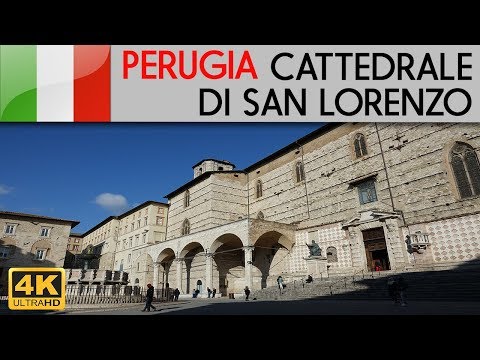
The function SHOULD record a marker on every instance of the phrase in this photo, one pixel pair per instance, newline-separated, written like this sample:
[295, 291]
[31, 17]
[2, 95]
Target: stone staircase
[458, 284]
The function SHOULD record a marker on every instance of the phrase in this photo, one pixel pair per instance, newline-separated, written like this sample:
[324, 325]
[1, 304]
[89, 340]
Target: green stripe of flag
[18, 83]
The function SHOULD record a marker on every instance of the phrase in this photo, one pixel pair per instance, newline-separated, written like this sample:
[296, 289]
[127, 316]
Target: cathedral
[368, 196]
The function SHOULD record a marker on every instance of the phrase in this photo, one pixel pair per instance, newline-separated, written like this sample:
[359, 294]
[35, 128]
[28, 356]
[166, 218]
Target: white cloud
[115, 203]
[4, 189]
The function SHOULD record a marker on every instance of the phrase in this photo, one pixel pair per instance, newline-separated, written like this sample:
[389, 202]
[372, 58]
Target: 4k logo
[36, 289]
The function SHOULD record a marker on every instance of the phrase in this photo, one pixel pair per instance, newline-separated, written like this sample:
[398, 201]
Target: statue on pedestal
[314, 249]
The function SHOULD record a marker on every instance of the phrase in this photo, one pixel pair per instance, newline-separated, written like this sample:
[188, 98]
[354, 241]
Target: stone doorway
[376, 249]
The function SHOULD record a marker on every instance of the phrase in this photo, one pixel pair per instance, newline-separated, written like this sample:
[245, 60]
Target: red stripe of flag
[91, 87]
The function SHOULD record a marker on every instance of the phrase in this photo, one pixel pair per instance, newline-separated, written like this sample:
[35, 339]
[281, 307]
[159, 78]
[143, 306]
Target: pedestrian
[176, 294]
[214, 291]
[402, 290]
[209, 292]
[247, 292]
[378, 266]
[149, 299]
[392, 289]
[280, 283]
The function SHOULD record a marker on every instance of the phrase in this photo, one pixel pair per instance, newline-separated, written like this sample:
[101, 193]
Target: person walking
[176, 294]
[209, 292]
[247, 293]
[402, 290]
[280, 283]
[149, 299]
[214, 291]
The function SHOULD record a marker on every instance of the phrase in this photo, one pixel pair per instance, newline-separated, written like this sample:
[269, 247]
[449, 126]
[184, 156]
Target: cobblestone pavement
[299, 307]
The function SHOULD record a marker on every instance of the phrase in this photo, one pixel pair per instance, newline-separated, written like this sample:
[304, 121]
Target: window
[331, 254]
[132, 227]
[360, 145]
[299, 171]
[259, 189]
[160, 210]
[466, 170]
[5, 251]
[137, 238]
[159, 220]
[10, 229]
[45, 232]
[138, 224]
[129, 257]
[144, 238]
[75, 247]
[366, 192]
[186, 227]
[145, 223]
[40, 254]
[121, 265]
[186, 199]
[220, 168]
[138, 266]
[130, 240]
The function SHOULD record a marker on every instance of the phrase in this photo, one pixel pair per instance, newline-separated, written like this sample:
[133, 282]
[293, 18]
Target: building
[28, 240]
[388, 195]
[371, 196]
[140, 228]
[74, 247]
[101, 241]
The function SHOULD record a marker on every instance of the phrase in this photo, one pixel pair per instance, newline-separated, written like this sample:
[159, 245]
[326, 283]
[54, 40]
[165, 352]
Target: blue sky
[87, 172]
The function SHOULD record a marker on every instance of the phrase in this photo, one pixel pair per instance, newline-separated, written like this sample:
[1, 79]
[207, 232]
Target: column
[179, 273]
[155, 275]
[208, 270]
[248, 250]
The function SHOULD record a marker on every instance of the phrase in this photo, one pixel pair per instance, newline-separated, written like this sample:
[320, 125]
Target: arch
[194, 264]
[199, 286]
[186, 199]
[259, 189]
[165, 259]
[228, 264]
[332, 254]
[466, 169]
[260, 215]
[270, 256]
[186, 227]
[299, 171]
[359, 145]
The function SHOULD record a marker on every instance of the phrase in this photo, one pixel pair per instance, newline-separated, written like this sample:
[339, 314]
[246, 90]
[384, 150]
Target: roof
[40, 217]
[146, 203]
[198, 179]
[314, 134]
[219, 161]
[302, 141]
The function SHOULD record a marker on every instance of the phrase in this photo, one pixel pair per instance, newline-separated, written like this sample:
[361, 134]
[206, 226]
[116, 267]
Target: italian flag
[55, 83]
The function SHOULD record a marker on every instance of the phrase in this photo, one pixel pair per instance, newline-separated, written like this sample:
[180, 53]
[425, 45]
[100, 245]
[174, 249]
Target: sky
[87, 172]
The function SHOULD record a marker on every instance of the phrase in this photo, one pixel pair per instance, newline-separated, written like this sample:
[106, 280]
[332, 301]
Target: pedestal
[317, 266]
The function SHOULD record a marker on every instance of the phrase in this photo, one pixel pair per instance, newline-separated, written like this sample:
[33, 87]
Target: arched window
[260, 215]
[331, 254]
[299, 171]
[360, 145]
[466, 169]
[121, 265]
[259, 189]
[186, 199]
[186, 227]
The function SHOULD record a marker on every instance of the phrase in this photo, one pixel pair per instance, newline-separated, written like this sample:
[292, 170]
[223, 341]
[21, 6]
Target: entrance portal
[376, 249]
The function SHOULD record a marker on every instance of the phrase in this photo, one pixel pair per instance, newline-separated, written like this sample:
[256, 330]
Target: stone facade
[74, 247]
[370, 195]
[32, 241]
